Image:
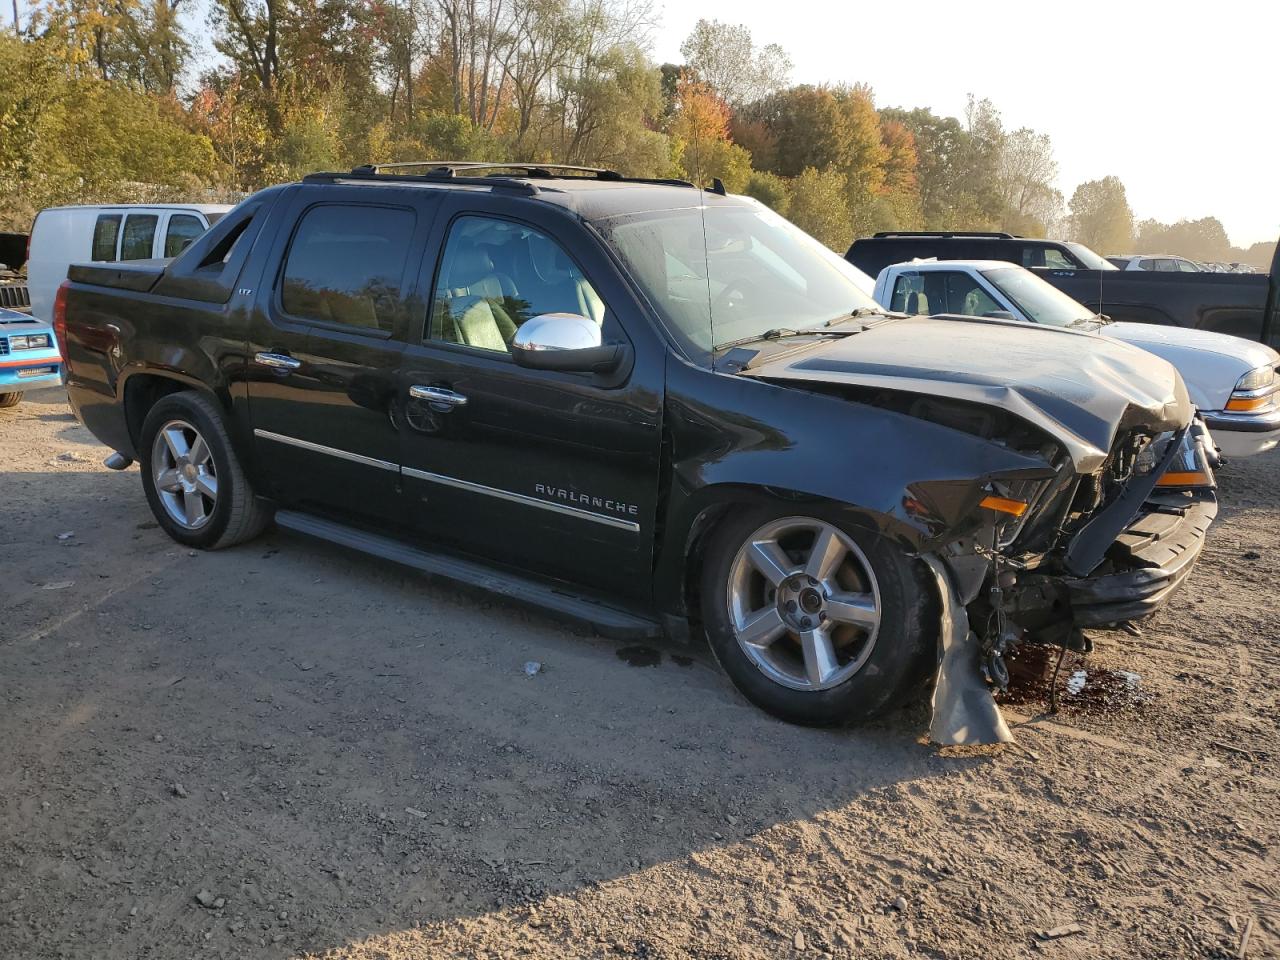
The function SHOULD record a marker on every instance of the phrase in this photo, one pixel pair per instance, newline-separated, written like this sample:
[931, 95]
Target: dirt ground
[287, 750]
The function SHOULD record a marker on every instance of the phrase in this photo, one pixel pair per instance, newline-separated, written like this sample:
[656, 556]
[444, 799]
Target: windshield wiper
[779, 333]
[856, 314]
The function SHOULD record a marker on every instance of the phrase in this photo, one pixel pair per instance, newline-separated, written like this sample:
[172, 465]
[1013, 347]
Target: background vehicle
[13, 285]
[61, 236]
[1158, 263]
[574, 389]
[29, 356]
[1242, 305]
[1233, 382]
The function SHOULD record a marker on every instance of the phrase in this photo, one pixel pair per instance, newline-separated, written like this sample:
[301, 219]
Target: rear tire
[814, 621]
[10, 399]
[192, 477]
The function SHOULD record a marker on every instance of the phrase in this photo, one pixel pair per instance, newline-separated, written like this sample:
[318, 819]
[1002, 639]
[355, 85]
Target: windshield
[750, 272]
[1090, 259]
[1040, 301]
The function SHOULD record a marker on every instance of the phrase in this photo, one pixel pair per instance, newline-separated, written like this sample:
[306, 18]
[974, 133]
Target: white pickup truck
[1234, 382]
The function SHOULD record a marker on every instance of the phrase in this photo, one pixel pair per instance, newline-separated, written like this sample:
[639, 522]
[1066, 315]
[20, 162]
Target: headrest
[470, 263]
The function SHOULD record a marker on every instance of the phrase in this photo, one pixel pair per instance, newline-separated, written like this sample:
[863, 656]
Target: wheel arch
[691, 525]
[141, 388]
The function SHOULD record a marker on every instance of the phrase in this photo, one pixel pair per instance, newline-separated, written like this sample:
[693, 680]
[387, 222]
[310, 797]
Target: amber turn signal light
[1185, 478]
[1003, 505]
[1247, 404]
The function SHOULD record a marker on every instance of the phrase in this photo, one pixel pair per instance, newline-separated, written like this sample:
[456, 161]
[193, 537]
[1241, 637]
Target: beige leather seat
[474, 310]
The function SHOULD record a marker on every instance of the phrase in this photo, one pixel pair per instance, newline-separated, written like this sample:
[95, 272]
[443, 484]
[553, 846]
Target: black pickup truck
[577, 390]
[1242, 304]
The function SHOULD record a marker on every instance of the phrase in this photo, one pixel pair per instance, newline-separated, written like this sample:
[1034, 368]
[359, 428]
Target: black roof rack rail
[530, 170]
[431, 176]
[512, 176]
[468, 167]
[987, 235]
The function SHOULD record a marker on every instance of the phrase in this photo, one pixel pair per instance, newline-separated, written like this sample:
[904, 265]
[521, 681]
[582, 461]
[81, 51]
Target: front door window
[497, 274]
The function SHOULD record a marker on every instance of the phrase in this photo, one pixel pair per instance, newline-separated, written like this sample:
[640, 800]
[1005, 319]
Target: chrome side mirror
[564, 341]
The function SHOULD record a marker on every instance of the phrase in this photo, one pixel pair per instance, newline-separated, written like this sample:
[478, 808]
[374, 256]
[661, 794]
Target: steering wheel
[735, 293]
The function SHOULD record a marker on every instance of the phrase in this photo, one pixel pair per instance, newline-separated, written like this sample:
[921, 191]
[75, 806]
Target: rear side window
[105, 233]
[346, 265]
[139, 236]
[182, 227]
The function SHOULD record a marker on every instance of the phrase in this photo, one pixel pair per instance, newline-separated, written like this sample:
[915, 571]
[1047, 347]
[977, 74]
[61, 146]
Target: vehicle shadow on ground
[333, 748]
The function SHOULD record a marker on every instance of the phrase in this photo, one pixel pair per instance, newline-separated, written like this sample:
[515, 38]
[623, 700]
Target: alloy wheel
[185, 477]
[804, 603]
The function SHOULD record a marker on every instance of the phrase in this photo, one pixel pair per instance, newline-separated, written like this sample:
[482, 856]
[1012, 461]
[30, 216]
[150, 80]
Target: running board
[610, 621]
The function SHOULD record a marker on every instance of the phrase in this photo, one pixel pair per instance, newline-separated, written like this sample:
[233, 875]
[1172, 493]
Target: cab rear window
[346, 265]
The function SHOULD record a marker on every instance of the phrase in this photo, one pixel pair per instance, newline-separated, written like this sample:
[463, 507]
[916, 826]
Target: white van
[62, 236]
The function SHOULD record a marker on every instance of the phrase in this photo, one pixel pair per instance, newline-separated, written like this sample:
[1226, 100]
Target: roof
[928, 265]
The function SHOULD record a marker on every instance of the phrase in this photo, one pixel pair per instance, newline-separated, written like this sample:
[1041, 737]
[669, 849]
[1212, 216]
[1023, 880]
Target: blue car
[29, 356]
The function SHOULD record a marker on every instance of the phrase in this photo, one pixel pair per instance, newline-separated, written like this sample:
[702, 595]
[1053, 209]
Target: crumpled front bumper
[1147, 562]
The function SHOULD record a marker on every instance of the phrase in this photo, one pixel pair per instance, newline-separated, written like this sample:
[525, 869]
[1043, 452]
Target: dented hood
[1080, 388]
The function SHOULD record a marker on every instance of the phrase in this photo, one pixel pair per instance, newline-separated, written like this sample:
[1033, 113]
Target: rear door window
[139, 237]
[106, 231]
[182, 228]
[346, 265]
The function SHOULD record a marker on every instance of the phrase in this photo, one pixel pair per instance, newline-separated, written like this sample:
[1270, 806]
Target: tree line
[102, 100]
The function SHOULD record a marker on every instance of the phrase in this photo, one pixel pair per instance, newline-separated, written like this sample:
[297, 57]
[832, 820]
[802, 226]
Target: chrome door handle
[438, 395]
[277, 361]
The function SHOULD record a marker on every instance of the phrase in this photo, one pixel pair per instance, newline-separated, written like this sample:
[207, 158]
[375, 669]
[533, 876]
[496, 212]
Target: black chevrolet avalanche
[650, 407]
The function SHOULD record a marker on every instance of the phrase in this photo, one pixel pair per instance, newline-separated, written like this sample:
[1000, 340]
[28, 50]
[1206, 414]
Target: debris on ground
[1066, 930]
[532, 668]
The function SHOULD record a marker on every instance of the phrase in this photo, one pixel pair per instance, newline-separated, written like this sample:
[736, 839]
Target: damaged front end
[1068, 553]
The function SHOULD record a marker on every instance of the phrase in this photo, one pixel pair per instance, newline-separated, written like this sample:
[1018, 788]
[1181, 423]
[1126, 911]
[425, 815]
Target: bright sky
[1177, 99]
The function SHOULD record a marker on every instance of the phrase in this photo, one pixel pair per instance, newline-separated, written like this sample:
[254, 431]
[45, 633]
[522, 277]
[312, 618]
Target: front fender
[740, 441]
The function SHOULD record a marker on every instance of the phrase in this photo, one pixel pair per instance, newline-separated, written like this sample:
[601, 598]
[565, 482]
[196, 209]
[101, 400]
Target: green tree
[956, 169]
[725, 57]
[1204, 239]
[1100, 216]
[771, 190]
[1025, 179]
[820, 208]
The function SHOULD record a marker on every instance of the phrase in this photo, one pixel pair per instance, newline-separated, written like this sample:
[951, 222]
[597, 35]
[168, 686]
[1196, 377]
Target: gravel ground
[286, 750]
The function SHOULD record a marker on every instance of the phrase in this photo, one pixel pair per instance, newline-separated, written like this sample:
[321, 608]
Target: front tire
[816, 622]
[192, 477]
[10, 399]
